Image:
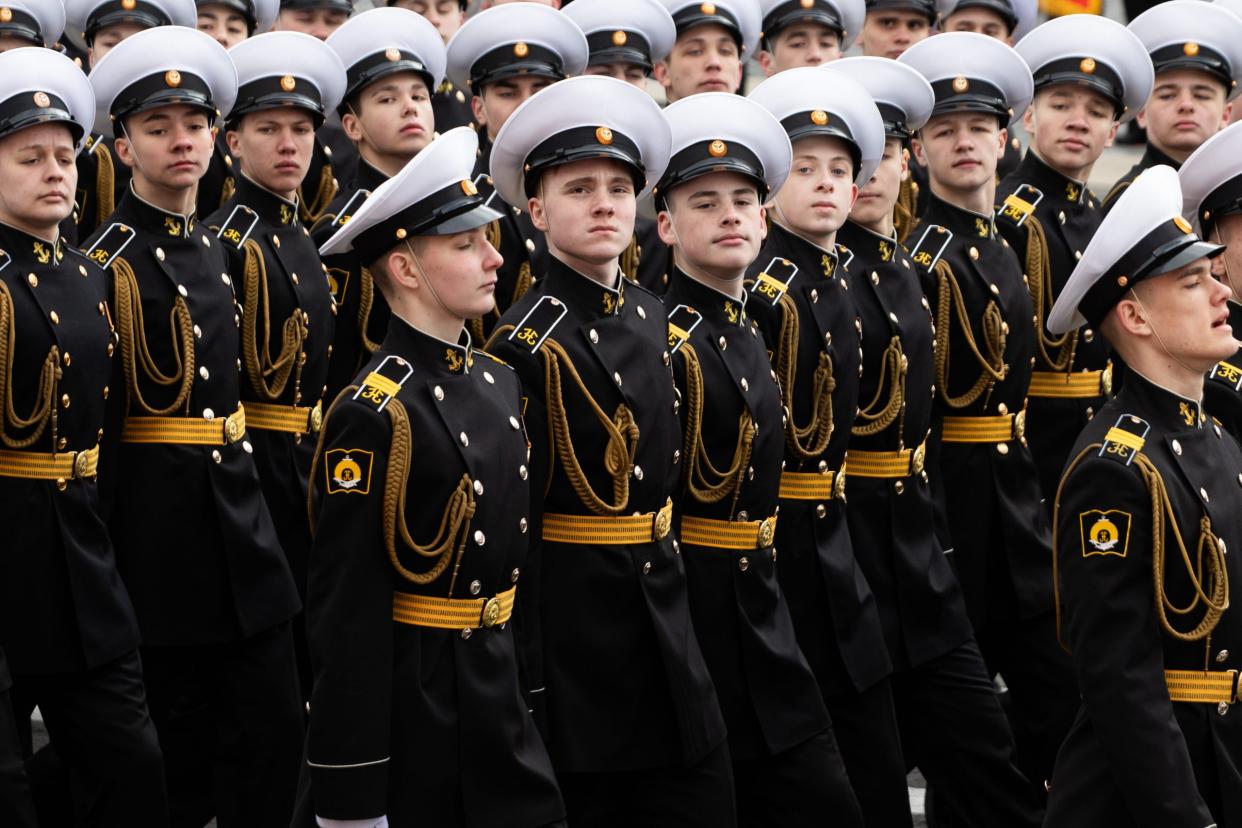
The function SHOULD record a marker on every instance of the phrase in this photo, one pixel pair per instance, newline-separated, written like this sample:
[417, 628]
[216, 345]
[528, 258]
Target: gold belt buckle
[316, 417]
[1019, 425]
[491, 612]
[81, 464]
[767, 532]
[1106, 379]
[838, 484]
[661, 525]
[918, 459]
[233, 428]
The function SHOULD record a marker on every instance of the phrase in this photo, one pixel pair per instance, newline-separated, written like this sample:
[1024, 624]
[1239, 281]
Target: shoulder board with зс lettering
[1125, 438]
[539, 323]
[921, 253]
[111, 244]
[681, 323]
[350, 207]
[238, 226]
[1020, 204]
[773, 281]
[382, 384]
[1226, 373]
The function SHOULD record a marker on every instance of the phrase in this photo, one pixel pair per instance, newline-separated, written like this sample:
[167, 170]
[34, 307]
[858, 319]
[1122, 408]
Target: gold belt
[1207, 687]
[728, 534]
[452, 613]
[886, 464]
[1078, 385]
[185, 431]
[291, 419]
[812, 485]
[613, 531]
[997, 429]
[64, 465]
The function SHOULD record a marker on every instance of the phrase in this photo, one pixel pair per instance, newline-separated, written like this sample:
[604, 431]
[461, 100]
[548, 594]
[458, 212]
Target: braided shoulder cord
[704, 481]
[366, 298]
[227, 189]
[630, 260]
[105, 185]
[268, 378]
[811, 440]
[44, 409]
[893, 368]
[1039, 274]
[131, 329]
[904, 209]
[950, 299]
[310, 209]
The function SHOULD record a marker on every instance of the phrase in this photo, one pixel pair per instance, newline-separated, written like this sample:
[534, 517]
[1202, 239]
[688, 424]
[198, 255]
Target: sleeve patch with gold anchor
[1125, 439]
[539, 323]
[238, 226]
[921, 254]
[1104, 532]
[681, 323]
[774, 280]
[348, 471]
[382, 384]
[111, 244]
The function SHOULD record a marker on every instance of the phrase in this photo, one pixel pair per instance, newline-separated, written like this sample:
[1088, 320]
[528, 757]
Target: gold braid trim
[268, 378]
[621, 429]
[44, 409]
[893, 366]
[1209, 556]
[1039, 274]
[492, 234]
[366, 298]
[704, 481]
[105, 184]
[904, 209]
[524, 281]
[311, 208]
[630, 260]
[993, 365]
[819, 428]
[131, 328]
[227, 189]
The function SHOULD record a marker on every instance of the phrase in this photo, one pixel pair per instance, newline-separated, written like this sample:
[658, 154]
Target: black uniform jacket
[193, 537]
[218, 183]
[451, 107]
[1222, 393]
[102, 180]
[1049, 241]
[813, 336]
[62, 604]
[286, 336]
[426, 725]
[989, 492]
[1150, 158]
[648, 260]
[892, 521]
[1133, 757]
[361, 311]
[333, 161]
[609, 629]
[731, 416]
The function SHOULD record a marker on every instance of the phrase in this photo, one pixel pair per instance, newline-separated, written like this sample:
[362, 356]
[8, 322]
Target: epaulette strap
[238, 226]
[350, 207]
[111, 244]
[681, 323]
[1226, 373]
[384, 383]
[1020, 205]
[774, 280]
[5, 259]
[844, 257]
[1125, 439]
[483, 183]
[922, 254]
[539, 323]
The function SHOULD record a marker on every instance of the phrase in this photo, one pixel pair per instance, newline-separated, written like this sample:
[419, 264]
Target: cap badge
[129, 5]
[960, 84]
[42, 100]
[1122, 281]
[521, 50]
[172, 78]
[467, 187]
[717, 149]
[401, 233]
[708, 8]
[1183, 225]
[619, 38]
[806, 4]
[1190, 49]
[1087, 66]
[6, 14]
[288, 83]
[603, 135]
[819, 117]
[393, 54]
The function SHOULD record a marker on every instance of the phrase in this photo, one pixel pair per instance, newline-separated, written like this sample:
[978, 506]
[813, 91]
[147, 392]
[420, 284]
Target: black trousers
[954, 730]
[16, 807]
[105, 739]
[804, 786]
[869, 737]
[698, 796]
[230, 719]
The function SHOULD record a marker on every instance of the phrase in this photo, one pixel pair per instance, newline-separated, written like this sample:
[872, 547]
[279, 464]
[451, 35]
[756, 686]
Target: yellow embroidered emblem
[610, 303]
[1104, 532]
[348, 471]
[886, 251]
[982, 228]
[172, 226]
[454, 360]
[828, 264]
[42, 253]
[286, 214]
[731, 311]
[1187, 413]
[1072, 191]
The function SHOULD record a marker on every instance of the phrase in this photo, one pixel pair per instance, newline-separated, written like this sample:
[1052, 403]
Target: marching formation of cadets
[401, 415]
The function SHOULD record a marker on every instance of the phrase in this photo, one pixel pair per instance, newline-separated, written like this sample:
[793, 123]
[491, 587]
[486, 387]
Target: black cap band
[894, 118]
[514, 60]
[619, 46]
[162, 89]
[708, 13]
[800, 11]
[27, 109]
[708, 157]
[20, 23]
[962, 94]
[243, 7]
[814, 122]
[145, 14]
[1192, 55]
[275, 92]
[927, 8]
[346, 6]
[380, 65]
[1225, 200]
[453, 209]
[461, 4]
[581, 144]
[1000, 7]
[1084, 71]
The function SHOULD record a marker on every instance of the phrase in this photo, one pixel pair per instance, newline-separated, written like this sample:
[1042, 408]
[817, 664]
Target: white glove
[374, 822]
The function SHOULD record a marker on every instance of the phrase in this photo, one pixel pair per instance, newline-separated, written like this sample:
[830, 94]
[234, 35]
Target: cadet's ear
[538, 216]
[664, 226]
[916, 149]
[233, 137]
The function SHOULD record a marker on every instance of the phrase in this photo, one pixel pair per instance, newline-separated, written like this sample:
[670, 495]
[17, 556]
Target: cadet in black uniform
[1211, 181]
[951, 722]
[393, 59]
[450, 103]
[1197, 54]
[1091, 75]
[1148, 514]
[728, 155]
[626, 40]
[286, 82]
[492, 57]
[67, 626]
[800, 296]
[417, 715]
[194, 540]
[800, 33]
[982, 473]
[612, 662]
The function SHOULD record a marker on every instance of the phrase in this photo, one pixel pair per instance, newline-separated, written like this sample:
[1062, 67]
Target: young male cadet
[1090, 76]
[287, 81]
[714, 41]
[798, 33]
[419, 506]
[503, 56]
[800, 298]
[1197, 54]
[892, 26]
[950, 721]
[67, 625]
[1147, 515]
[450, 104]
[626, 41]
[728, 155]
[194, 540]
[612, 662]
[983, 476]
[393, 60]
